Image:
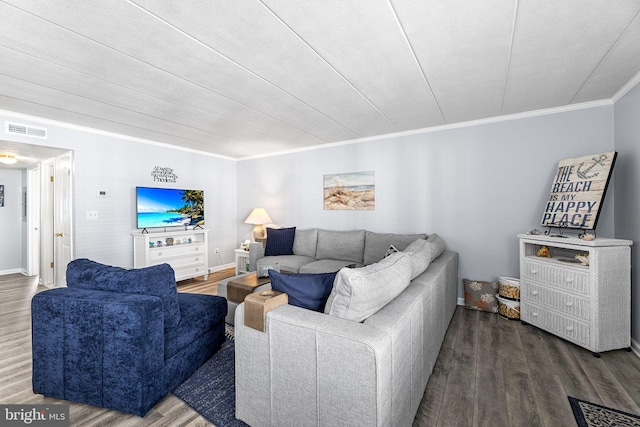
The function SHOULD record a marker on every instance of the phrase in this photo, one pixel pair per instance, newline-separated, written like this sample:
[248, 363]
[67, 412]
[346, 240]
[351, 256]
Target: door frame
[33, 220]
[63, 217]
[56, 221]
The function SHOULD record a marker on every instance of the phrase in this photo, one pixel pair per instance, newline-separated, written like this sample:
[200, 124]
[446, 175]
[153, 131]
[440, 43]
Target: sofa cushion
[290, 263]
[305, 242]
[200, 313]
[346, 245]
[436, 245]
[360, 292]
[280, 241]
[308, 291]
[327, 266]
[376, 244]
[419, 254]
[157, 280]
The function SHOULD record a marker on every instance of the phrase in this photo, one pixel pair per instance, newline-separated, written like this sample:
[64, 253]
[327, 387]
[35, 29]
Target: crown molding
[51, 122]
[471, 123]
[626, 88]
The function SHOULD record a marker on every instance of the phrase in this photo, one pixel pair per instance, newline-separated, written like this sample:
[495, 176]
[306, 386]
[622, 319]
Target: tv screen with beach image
[355, 191]
[168, 207]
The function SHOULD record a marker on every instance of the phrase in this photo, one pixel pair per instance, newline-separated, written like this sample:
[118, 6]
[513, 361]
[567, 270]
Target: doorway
[48, 236]
[56, 223]
[33, 220]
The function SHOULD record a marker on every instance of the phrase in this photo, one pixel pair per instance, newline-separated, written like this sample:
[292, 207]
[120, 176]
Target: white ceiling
[249, 77]
[27, 154]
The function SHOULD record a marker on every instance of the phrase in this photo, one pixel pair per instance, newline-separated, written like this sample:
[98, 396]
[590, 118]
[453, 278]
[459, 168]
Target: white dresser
[188, 254]
[587, 305]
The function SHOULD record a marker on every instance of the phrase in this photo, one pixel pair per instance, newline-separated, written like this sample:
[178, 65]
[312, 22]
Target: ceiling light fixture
[7, 159]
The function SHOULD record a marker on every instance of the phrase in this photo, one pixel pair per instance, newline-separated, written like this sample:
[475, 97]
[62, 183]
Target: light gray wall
[11, 222]
[627, 196]
[103, 162]
[477, 187]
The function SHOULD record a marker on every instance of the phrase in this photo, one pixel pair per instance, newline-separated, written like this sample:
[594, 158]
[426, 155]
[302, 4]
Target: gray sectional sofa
[322, 251]
[361, 362]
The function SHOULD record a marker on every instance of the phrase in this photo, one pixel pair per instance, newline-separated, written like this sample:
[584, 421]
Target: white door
[63, 217]
[33, 221]
[47, 171]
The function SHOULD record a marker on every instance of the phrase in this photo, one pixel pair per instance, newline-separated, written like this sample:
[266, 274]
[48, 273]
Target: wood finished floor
[490, 372]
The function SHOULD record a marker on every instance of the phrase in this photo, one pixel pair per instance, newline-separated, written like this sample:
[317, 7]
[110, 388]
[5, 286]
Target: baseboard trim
[13, 271]
[635, 347]
[460, 301]
[221, 267]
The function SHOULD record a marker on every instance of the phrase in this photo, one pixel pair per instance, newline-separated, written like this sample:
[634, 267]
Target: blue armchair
[121, 339]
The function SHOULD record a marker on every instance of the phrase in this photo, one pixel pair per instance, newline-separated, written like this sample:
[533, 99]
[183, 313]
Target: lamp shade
[258, 216]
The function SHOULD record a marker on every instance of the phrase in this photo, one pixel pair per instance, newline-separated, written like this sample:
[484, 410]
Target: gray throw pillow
[436, 245]
[377, 243]
[360, 292]
[419, 254]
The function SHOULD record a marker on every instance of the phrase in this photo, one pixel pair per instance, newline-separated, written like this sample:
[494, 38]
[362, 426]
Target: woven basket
[509, 287]
[508, 309]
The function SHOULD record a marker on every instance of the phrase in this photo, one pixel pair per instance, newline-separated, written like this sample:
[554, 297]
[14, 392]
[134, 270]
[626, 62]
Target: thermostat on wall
[102, 193]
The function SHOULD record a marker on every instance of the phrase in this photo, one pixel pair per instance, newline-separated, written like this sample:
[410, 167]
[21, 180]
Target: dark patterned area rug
[590, 415]
[211, 389]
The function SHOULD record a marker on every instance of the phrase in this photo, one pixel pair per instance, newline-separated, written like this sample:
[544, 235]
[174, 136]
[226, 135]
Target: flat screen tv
[168, 207]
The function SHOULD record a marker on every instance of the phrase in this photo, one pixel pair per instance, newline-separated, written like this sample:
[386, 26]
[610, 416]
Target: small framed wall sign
[577, 191]
[1, 195]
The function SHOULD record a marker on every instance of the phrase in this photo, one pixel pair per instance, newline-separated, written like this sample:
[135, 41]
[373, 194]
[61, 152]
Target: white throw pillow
[436, 244]
[360, 292]
[419, 255]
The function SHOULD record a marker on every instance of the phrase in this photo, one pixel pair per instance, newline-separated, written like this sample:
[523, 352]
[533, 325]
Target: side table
[239, 288]
[247, 279]
[242, 261]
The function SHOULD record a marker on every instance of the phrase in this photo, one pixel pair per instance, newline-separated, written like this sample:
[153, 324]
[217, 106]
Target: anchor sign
[577, 191]
[599, 161]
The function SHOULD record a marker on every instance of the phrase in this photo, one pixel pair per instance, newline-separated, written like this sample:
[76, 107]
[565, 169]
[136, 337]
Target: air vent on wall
[25, 130]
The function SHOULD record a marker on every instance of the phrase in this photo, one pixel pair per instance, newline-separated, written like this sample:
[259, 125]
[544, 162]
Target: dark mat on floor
[590, 415]
[211, 389]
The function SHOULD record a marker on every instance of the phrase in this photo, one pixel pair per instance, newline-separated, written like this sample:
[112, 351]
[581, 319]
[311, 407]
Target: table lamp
[258, 217]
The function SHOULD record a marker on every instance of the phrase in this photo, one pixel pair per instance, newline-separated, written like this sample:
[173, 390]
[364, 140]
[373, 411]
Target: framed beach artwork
[350, 191]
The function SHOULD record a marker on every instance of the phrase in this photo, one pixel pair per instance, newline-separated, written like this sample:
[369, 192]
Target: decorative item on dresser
[189, 258]
[588, 305]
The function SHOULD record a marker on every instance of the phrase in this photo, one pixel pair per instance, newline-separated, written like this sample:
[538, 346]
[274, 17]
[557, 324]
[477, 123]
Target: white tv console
[188, 255]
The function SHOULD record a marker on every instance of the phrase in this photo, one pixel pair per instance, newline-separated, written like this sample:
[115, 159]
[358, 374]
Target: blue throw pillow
[309, 291]
[157, 280]
[280, 241]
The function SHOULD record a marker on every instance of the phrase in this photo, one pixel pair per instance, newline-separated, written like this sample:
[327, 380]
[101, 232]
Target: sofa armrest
[307, 366]
[256, 251]
[101, 348]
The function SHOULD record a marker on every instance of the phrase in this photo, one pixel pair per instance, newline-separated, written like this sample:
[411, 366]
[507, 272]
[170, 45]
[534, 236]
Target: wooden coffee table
[238, 289]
